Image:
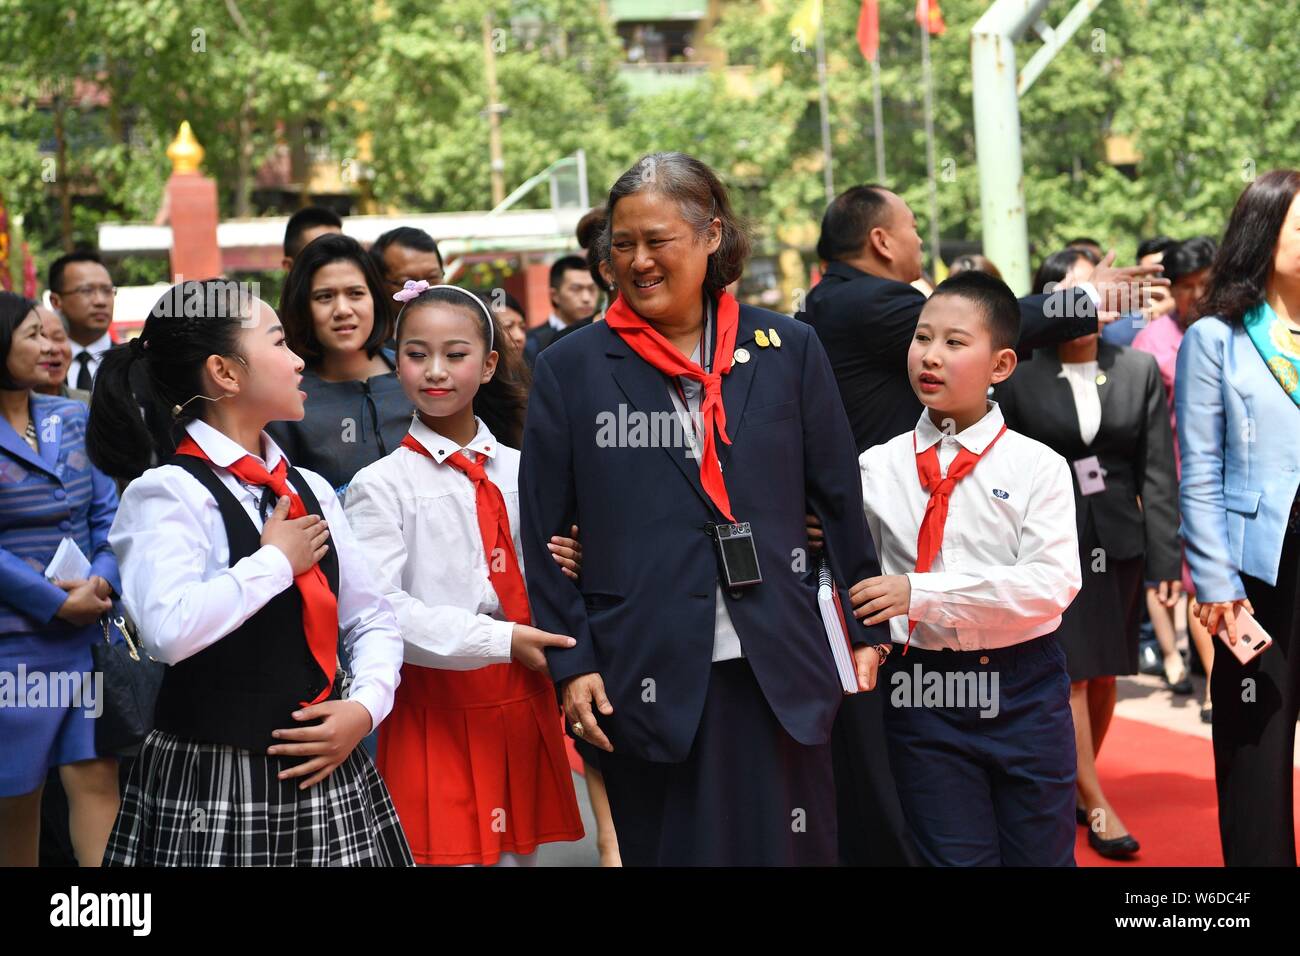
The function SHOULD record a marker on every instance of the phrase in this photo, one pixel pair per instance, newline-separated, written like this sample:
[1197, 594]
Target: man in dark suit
[865, 312]
[573, 298]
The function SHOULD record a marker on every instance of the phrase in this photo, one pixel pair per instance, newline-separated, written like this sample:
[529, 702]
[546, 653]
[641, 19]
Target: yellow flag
[806, 21]
[940, 270]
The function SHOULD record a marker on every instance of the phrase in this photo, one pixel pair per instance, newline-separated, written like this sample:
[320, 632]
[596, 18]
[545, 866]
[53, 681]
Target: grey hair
[701, 198]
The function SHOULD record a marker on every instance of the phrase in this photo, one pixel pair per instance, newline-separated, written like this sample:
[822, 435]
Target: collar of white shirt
[555, 322]
[96, 348]
[441, 447]
[224, 451]
[975, 438]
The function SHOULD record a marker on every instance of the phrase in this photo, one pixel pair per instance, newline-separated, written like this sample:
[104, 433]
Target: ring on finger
[579, 730]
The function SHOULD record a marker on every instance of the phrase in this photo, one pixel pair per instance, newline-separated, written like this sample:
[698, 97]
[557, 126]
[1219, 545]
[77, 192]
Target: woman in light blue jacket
[1237, 395]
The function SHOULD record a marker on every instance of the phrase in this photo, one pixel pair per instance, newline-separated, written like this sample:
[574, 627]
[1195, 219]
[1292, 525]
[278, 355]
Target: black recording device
[736, 554]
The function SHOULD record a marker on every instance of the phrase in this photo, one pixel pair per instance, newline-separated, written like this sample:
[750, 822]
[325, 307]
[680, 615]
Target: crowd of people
[396, 578]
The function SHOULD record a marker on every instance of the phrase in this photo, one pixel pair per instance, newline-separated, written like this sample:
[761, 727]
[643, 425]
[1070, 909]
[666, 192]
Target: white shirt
[417, 522]
[1082, 377]
[1009, 563]
[726, 642]
[95, 350]
[177, 584]
[555, 322]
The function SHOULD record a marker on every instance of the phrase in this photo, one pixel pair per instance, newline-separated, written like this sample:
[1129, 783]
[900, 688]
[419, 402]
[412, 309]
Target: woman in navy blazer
[1239, 430]
[49, 491]
[714, 704]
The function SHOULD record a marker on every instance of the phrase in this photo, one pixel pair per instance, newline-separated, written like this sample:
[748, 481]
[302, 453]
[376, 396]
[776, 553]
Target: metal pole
[929, 148]
[584, 200]
[494, 114]
[997, 135]
[878, 118]
[827, 171]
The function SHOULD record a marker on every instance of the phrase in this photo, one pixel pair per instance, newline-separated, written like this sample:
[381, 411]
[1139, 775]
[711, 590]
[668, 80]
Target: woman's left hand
[344, 725]
[867, 660]
[567, 553]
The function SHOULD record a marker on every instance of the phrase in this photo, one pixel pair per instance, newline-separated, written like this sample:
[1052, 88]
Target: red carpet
[1161, 783]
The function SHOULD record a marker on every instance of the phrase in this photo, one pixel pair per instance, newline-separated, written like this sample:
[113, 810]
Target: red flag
[929, 16]
[869, 29]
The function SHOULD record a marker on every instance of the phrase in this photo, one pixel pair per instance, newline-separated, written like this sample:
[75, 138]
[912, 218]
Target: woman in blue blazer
[1237, 395]
[49, 491]
[678, 417]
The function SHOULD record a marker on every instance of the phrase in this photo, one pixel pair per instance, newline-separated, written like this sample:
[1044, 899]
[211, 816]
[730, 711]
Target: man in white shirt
[82, 291]
[978, 716]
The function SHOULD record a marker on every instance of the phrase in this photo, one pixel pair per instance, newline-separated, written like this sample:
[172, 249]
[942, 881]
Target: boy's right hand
[302, 540]
[528, 645]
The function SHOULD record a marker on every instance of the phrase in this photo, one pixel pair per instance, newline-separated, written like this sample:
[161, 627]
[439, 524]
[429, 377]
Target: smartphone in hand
[1252, 640]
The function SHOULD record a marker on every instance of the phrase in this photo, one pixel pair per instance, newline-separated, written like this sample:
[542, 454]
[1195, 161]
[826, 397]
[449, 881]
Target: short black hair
[310, 217]
[1054, 268]
[58, 266]
[849, 219]
[14, 309]
[1153, 245]
[996, 303]
[1083, 241]
[1192, 255]
[566, 264]
[295, 297]
[408, 237]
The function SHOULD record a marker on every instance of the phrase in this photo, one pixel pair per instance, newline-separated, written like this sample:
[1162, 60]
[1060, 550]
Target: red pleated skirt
[476, 765]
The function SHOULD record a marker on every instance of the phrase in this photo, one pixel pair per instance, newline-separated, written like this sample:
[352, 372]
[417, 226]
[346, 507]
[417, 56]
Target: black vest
[247, 684]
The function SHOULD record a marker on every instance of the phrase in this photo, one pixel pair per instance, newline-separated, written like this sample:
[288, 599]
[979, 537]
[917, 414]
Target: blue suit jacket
[44, 498]
[643, 610]
[1241, 461]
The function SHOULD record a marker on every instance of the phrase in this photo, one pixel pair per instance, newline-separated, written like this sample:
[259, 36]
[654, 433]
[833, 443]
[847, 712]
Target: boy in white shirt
[978, 714]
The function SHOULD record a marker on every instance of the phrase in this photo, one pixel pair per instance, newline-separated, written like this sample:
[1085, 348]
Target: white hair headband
[414, 288]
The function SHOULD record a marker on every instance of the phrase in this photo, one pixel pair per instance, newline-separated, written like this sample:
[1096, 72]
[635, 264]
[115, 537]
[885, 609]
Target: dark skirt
[199, 804]
[748, 794]
[1099, 630]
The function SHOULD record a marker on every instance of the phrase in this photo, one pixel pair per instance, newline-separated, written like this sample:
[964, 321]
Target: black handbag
[131, 680]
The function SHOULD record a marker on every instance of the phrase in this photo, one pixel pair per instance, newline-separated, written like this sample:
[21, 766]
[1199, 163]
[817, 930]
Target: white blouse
[178, 585]
[1082, 377]
[417, 523]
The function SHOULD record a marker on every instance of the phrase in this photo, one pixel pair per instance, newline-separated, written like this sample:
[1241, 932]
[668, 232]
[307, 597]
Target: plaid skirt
[200, 804]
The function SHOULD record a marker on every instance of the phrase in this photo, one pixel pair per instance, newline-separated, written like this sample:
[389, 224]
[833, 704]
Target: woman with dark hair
[1237, 397]
[687, 436]
[336, 318]
[49, 492]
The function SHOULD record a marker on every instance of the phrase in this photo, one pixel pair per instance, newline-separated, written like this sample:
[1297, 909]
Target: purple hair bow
[412, 289]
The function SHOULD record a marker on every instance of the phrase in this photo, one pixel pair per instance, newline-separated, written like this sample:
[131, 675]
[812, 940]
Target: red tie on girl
[646, 342]
[930, 539]
[494, 529]
[320, 608]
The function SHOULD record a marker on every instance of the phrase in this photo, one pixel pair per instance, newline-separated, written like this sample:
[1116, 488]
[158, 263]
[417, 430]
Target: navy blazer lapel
[736, 384]
[1107, 355]
[646, 390]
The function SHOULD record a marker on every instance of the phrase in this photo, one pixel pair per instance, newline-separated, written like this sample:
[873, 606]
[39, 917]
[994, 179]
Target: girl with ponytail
[242, 575]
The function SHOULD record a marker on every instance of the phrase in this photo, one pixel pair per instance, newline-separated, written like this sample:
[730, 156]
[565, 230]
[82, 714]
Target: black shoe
[1081, 816]
[1119, 848]
[1184, 686]
[1207, 714]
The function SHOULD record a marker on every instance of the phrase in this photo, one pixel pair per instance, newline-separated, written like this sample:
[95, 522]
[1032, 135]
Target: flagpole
[827, 172]
[879, 120]
[929, 142]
